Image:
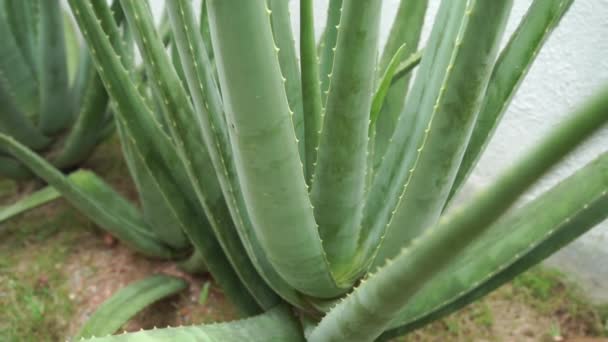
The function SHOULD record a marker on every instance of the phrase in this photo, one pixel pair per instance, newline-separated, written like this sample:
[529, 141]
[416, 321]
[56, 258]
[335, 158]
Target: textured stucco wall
[571, 66]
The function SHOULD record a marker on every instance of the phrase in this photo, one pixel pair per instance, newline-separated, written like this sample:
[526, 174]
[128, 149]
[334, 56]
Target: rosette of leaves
[51, 98]
[316, 191]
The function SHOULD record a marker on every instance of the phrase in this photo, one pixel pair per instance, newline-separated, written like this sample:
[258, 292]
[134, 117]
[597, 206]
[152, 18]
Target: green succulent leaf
[274, 325]
[406, 31]
[372, 306]
[328, 44]
[263, 140]
[338, 185]
[421, 167]
[24, 23]
[205, 95]
[385, 82]
[290, 68]
[128, 301]
[30, 201]
[522, 238]
[17, 77]
[189, 143]
[311, 93]
[149, 141]
[510, 69]
[17, 124]
[95, 199]
[12, 169]
[53, 70]
[82, 138]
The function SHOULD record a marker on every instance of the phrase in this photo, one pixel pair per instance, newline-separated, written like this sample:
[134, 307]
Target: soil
[95, 271]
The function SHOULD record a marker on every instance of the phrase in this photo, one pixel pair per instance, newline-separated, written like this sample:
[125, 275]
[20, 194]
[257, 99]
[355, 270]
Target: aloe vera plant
[316, 191]
[51, 98]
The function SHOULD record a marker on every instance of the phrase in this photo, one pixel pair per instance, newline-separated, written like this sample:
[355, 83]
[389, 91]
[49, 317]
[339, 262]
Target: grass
[41, 302]
[33, 292]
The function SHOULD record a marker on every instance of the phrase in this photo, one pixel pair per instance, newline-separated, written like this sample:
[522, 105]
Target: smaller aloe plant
[51, 98]
[320, 189]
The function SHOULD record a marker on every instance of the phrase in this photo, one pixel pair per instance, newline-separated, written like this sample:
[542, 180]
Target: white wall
[572, 65]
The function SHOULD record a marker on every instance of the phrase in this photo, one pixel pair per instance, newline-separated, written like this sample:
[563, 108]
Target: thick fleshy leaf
[154, 150]
[30, 201]
[274, 325]
[511, 68]
[406, 30]
[16, 123]
[311, 92]
[338, 184]
[190, 146]
[18, 76]
[522, 238]
[95, 199]
[55, 114]
[385, 82]
[263, 140]
[290, 68]
[206, 98]
[92, 108]
[22, 19]
[421, 167]
[372, 306]
[328, 44]
[127, 302]
[12, 169]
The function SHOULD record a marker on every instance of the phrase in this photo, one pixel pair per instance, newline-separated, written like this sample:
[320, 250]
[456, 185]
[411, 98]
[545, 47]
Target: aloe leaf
[17, 124]
[439, 151]
[150, 143]
[23, 23]
[128, 301]
[82, 139]
[177, 63]
[156, 212]
[511, 68]
[16, 75]
[372, 306]
[311, 92]
[377, 104]
[520, 239]
[389, 178]
[406, 30]
[427, 164]
[72, 47]
[95, 199]
[190, 145]
[205, 32]
[385, 82]
[53, 73]
[328, 44]
[205, 96]
[30, 201]
[107, 130]
[266, 152]
[405, 67]
[12, 169]
[195, 264]
[280, 21]
[338, 185]
[274, 325]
